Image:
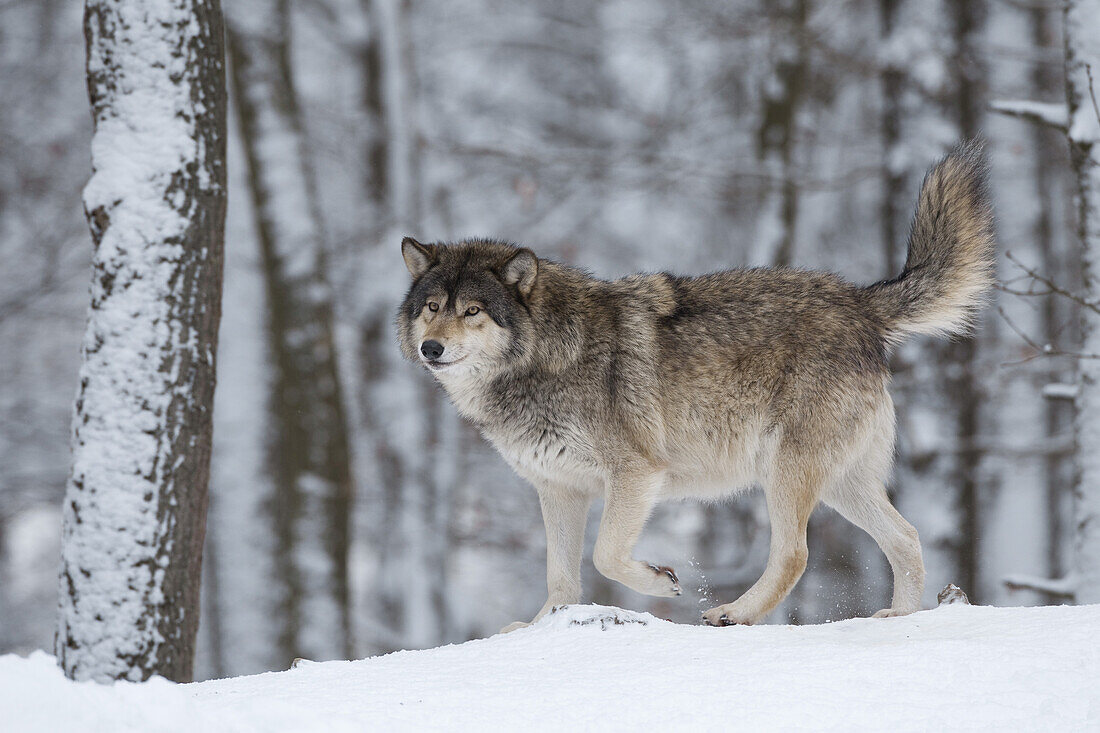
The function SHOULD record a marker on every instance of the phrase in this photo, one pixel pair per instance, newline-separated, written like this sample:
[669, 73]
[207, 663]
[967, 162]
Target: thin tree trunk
[376, 164]
[6, 635]
[894, 212]
[1082, 19]
[135, 504]
[309, 453]
[212, 644]
[392, 471]
[961, 362]
[1048, 177]
[777, 135]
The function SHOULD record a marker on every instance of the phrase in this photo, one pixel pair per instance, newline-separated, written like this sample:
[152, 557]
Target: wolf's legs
[791, 498]
[868, 507]
[630, 498]
[564, 513]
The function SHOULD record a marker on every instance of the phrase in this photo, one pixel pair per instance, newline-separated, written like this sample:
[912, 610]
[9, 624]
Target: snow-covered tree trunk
[135, 504]
[309, 453]
[1082, 28]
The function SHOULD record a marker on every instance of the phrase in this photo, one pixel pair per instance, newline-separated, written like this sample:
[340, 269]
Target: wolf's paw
[890, 613]
[513, 626]
[727, 615]
[668, 585]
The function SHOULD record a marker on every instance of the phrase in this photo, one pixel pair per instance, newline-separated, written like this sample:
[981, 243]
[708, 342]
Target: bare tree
[309, 456]
[135, 505]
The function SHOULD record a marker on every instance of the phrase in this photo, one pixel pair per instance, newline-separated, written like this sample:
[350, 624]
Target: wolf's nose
[431, 349]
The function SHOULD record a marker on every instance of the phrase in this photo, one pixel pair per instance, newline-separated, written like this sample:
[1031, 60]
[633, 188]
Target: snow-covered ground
[597, 668]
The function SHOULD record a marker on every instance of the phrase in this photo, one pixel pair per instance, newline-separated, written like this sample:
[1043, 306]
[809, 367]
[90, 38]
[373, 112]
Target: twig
[1092, 92]
[1040, 351]
[1054, 287]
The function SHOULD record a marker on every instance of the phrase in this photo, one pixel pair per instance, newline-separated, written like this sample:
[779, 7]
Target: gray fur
[657, 386]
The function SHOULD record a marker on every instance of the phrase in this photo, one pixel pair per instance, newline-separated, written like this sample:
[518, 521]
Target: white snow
[600, 668]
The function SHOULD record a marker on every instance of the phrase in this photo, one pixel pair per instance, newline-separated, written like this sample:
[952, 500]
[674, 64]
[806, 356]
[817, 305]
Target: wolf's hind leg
[630, 498]
[791, 498]
[866, 505]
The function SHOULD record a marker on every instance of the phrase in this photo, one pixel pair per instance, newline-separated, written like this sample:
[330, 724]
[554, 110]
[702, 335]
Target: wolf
[661, 386]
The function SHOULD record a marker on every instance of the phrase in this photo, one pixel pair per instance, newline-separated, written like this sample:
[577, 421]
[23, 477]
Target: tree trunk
[135, 505]
[1082, 67]
[1051, 239]
[777, 135]
[309, 455]
[392, 472]
[6, 640]
[376, 160]
[895, 206]
[963, 388]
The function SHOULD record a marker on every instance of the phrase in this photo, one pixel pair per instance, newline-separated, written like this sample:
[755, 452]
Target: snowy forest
[351, 511]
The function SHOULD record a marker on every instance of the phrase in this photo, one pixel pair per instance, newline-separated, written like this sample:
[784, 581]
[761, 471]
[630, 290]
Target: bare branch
[1053, 287]
[1040, 350]
[1092, 92]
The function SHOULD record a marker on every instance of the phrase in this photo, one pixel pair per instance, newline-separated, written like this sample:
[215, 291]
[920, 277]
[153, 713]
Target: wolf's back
[950, 264]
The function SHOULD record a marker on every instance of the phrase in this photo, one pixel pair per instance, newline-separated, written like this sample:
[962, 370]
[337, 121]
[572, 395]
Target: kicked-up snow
[597, 668]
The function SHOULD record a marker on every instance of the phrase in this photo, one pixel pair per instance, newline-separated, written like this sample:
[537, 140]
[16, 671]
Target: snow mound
[600, 668]
[603, 617]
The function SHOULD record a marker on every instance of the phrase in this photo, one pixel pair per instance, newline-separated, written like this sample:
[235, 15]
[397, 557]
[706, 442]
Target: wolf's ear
[418, 257]
[521, 271]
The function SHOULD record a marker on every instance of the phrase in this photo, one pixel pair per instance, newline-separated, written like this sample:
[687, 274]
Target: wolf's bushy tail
[950, 264]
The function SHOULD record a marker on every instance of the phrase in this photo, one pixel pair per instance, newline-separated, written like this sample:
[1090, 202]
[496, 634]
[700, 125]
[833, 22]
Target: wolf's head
[466, 313]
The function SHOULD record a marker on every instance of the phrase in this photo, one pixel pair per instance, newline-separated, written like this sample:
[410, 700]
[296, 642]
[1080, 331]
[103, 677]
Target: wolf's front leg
[564, 512]
[631, 496]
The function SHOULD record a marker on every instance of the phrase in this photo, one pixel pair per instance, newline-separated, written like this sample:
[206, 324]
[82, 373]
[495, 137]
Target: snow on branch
[1063, 587]
[1054, 115]
[1084, 129]
[1059, 391]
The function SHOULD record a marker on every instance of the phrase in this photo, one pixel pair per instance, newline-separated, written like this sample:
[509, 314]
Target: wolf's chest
[541, 451]
[541, 436]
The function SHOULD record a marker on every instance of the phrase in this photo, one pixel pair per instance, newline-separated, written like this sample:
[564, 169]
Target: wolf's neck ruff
[658, 386]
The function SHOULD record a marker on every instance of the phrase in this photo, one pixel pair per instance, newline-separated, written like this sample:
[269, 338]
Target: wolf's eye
[433, 306]
[473, 310]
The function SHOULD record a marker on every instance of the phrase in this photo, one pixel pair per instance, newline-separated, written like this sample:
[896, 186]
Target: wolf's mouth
[438, 366]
